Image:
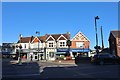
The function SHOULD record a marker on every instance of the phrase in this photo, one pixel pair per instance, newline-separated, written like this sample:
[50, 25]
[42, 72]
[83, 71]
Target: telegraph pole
[102, 38]
[96, 18]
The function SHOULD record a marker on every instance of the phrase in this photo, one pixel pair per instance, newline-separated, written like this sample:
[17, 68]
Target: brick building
[114, 42]
[80, 45]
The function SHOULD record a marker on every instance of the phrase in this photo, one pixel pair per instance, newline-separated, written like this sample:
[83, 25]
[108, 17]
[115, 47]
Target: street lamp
[96, 18]
[37, 32]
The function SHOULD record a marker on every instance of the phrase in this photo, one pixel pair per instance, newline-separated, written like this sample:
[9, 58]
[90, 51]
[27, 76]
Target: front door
[35, 56]
[51, 55]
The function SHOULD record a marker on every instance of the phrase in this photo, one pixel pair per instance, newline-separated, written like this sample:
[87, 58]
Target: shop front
[62, 53]
[80, 52]
[34, 54]
[38, 55]
[50, 53]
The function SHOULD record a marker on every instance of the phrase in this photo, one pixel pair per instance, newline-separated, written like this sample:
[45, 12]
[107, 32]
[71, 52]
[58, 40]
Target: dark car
[103, 58]
[79, 60]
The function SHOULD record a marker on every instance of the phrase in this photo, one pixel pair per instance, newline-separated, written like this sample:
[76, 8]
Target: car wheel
[101, 62]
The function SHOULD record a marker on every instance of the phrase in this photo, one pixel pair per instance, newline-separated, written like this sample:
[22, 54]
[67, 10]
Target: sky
[58, 17]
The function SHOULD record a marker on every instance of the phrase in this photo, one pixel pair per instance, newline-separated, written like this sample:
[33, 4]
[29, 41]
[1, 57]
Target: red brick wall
[118, 46]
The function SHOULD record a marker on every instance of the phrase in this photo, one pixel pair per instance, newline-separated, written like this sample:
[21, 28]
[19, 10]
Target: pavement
[56, 61]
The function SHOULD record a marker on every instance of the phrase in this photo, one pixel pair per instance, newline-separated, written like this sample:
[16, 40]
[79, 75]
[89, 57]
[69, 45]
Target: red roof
[43, 38]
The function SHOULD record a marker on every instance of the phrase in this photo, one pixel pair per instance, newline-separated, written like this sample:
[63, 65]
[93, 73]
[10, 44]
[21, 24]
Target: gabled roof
[26, 39]
[61, 37]
[50, 38]
[36, 39]
[42, 38]
[81, 36]
[56, 36]
[115, 33]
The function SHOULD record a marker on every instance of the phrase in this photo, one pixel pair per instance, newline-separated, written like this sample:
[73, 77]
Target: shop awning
[79, 50]
[62, 50]
[60, 53]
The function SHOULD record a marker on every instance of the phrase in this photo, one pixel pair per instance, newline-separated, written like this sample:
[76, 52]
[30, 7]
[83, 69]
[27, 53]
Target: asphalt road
[46, 70]
[80, 71]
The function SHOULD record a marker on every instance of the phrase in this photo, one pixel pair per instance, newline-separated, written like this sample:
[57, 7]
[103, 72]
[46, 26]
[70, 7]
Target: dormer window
[50, 44]
[62, 44]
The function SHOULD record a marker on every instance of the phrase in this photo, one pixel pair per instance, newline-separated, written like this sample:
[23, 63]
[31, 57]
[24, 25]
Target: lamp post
[96, 18]
[102, 38]
[37, 32]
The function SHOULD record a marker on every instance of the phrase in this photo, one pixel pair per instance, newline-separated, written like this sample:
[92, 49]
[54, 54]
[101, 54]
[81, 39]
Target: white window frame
[79, 44]
[53, 44]
[62, 41]
[62, 44]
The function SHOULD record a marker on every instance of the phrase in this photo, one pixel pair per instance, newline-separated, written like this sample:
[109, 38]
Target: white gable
[60, 37]
[80, 37]
[34, 39]
[50, 37]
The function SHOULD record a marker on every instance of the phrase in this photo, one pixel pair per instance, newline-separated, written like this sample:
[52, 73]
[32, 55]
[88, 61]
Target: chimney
[68, 35]
[68, 32]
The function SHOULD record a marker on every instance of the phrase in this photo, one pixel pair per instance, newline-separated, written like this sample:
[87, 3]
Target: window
[118, 41]
[62, 44]
[112, 42]
[35, 45]
[51, 44]
[51, 54]
[25, 46]
[79, 44]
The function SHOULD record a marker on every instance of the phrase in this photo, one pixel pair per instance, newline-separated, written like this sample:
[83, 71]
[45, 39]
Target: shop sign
[62, 50]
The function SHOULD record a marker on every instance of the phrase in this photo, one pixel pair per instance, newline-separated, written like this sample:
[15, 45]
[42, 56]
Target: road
[46, 69]
[80, 71]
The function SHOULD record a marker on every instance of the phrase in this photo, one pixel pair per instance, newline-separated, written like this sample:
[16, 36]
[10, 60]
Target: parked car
[79, 60]
[103, 58]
